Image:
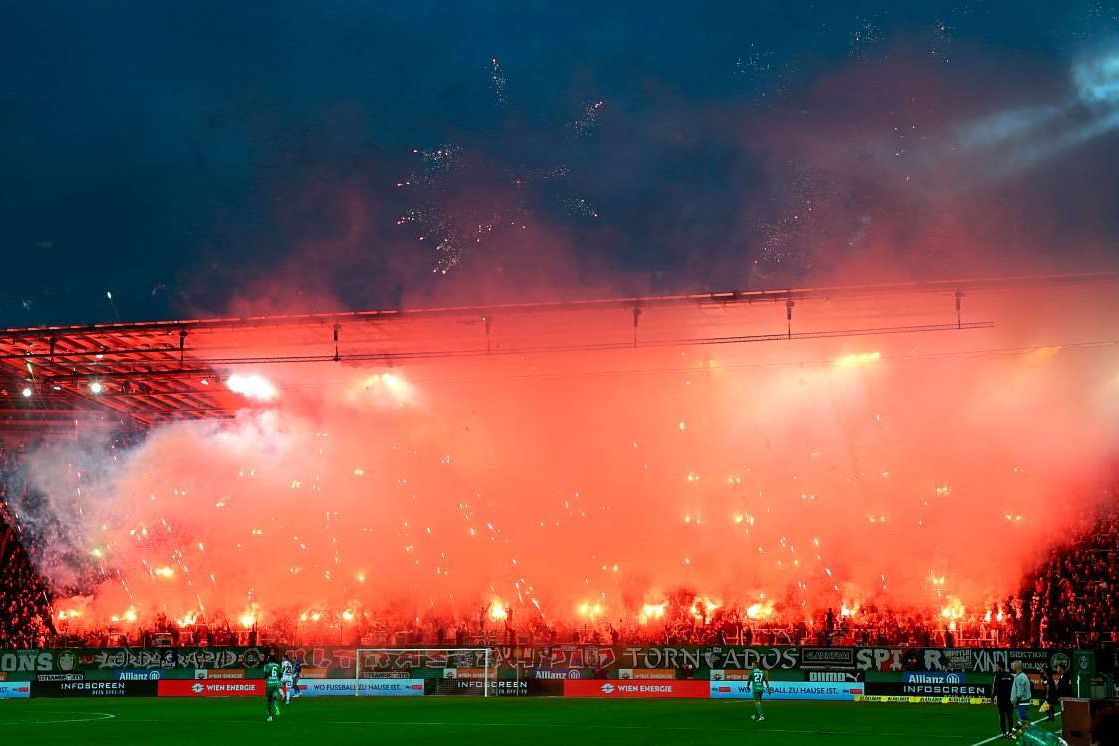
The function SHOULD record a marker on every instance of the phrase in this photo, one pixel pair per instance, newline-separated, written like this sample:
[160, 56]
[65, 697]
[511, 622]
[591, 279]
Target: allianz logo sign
[544, 673]
[933, 678]
[138, 676]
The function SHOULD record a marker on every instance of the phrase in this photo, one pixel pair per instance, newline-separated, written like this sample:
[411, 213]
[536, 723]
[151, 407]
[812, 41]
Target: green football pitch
[455, 720]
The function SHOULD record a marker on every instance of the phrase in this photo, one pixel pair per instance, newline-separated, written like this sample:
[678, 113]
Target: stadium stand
[25, 619]
[1065, 601]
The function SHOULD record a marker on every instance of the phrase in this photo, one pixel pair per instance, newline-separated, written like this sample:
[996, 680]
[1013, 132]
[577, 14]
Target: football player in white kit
[287, 677]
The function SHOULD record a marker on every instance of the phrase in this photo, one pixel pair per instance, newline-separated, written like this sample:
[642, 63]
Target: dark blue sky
[201, 157]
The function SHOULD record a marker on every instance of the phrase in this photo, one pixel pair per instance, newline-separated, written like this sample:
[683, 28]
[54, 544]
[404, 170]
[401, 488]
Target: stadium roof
[138, 374]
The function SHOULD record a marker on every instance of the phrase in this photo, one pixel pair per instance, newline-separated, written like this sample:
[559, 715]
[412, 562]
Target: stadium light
[96, 387]
[26, 392]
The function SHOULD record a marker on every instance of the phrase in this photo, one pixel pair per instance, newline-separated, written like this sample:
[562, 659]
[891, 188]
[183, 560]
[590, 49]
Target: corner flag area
[540, 721]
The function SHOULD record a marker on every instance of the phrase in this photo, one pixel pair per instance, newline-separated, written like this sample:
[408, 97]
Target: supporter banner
[362, 687]
[978, 660]
[86, 659]
[708, 657]
[15, 689]
[919, 688]
[12, 661]
[646, 673]
[786, 658]
[93, 689]
[1084, 662]
[828, 658]
[789, 690]
[563, 657]
[314, 673]
[208, 688]
[542, 662]
[591, 658]
[618, 689]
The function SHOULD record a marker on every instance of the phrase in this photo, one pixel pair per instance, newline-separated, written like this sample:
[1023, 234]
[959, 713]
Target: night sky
[218, 157]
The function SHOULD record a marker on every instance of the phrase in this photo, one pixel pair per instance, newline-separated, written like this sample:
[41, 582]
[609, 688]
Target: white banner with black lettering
[361, 687]
[844, 692]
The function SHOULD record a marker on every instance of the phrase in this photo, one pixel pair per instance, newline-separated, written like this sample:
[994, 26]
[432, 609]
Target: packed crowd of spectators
[1067, 601]
[1069, 598]
[25, 616]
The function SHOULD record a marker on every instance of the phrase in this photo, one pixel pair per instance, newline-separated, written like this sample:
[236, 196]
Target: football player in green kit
[759, 682]
[272, 688]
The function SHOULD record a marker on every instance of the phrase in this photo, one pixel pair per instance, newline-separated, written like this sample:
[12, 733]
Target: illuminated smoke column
[905, 469]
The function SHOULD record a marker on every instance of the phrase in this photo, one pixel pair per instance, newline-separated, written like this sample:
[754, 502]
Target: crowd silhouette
[1066, 601]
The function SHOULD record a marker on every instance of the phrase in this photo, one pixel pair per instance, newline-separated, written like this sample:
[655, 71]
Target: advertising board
[494, 687]
[59, 677]
[93, 689]
[889, 699]
[15, 689]
[220, 673]
[362, 687]
[620, 689]
[922, 685]
[646, 673]
[210, 688]
[133, 675]
[790, 690]
[559, 674]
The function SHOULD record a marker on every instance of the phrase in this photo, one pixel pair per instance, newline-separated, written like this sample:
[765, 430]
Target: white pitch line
[992, 739]
[103, 716]
[744, 729]
[999, 737]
